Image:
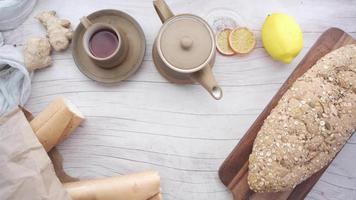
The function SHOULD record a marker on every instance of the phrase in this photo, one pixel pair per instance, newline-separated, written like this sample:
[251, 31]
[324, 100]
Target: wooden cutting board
[233, 172]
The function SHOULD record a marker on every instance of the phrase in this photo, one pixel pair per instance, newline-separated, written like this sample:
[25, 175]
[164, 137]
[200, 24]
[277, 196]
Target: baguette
[140, 186]
[308, 127]
[56, 122]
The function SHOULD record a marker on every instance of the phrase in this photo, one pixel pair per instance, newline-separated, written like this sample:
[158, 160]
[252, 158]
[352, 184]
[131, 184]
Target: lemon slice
[222, 42]
[242, 40]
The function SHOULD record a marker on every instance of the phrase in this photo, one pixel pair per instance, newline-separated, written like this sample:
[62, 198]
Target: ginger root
[58, 30]
[36, 53]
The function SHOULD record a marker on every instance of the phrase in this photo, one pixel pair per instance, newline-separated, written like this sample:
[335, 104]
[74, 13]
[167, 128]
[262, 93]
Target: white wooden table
[147, 123]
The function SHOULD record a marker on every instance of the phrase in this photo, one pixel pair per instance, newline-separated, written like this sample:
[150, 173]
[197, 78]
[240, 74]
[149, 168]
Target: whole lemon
[282, 37]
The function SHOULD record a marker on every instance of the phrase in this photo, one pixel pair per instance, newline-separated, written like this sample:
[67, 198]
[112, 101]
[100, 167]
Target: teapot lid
[186, 43]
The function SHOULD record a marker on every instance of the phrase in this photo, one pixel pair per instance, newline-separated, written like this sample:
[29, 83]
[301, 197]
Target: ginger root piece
[140, 186]
[36, 53]
[58, 30]
[56, 122]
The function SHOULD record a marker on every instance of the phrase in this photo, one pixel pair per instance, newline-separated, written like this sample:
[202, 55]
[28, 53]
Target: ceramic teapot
[184, 49]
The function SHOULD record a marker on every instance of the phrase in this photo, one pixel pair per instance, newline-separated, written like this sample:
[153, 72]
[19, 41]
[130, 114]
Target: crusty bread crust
[56, 122]
[309, 125]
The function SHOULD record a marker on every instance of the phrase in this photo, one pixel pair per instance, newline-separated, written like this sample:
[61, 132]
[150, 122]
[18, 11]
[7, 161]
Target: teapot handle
[162, 10]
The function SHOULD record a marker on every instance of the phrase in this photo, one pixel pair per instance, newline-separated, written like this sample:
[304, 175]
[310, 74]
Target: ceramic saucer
[135, 55]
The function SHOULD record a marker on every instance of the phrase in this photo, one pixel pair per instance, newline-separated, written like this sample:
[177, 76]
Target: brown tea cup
[119, 53]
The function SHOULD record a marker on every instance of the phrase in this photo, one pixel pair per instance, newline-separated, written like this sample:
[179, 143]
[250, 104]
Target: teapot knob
[186, 42]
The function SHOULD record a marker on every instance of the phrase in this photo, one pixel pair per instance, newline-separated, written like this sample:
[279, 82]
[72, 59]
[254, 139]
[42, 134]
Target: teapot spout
[206, 78]
[162, 10]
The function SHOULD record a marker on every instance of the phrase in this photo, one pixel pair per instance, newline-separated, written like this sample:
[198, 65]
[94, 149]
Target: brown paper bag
[25, 169]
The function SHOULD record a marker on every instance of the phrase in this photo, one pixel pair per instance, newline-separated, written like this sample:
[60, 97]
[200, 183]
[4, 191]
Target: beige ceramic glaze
[126, 27]
[184, 50]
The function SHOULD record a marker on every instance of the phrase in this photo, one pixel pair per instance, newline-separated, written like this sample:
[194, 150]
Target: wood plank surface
[234, 170]
[147, 123]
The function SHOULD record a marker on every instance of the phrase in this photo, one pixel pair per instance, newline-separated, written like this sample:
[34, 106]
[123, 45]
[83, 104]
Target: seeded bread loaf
[309, 125]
